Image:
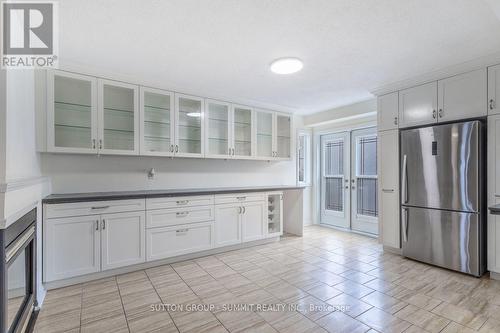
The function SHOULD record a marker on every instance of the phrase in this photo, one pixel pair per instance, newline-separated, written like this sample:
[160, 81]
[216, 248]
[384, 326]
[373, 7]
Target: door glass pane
[264, 134]
[118, 105]
[242, 131]
[283, 136]
[302, 139]
[157, 136]
[218, 129]
[366, 169]
[334, 175]
[16, 287]
[189, 127]
[72, 112]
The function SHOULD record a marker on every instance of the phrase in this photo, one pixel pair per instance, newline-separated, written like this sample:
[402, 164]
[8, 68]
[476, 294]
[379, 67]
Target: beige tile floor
[326, 281]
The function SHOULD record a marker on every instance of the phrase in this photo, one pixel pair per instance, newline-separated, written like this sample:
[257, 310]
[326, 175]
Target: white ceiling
[222, 48]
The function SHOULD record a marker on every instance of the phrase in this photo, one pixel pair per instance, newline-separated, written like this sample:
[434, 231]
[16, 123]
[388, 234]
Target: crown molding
[478, 63]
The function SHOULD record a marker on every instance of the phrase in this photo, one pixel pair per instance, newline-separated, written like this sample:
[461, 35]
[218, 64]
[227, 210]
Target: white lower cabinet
[122, 239]
[389, 188]
[493, 254]
[167, 242]
[71, 247]
[253, 220]
[227, 224]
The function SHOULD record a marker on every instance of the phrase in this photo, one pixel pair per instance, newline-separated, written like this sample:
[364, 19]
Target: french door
[349, 180]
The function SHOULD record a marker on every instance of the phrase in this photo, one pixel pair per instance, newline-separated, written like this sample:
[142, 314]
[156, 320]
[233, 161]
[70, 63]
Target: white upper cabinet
[494, 89]
[387, 111]
[157, 122]
[118, 118]
[189, 126]
[283, 137]
[242, 130]
[71, 113]
[418, 105]
[218, 124]
[264, 134]
[463, 96]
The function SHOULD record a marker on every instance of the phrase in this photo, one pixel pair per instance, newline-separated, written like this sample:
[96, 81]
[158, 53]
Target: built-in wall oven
[18, 274]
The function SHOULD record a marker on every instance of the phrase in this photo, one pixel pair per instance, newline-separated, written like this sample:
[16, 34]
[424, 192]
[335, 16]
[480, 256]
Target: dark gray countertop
[103, 196]
[495, 210]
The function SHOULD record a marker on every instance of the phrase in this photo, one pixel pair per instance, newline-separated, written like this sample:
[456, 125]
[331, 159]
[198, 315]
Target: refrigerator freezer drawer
[444, 238]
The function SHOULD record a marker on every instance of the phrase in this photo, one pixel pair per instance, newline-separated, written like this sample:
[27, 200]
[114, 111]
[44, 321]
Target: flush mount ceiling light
[194, 114]
[286, 65]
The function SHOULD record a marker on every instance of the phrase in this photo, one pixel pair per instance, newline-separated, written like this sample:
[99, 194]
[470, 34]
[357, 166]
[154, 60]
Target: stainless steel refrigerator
[442, 195]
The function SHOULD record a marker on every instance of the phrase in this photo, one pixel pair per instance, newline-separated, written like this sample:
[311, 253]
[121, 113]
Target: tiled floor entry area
[326, 281]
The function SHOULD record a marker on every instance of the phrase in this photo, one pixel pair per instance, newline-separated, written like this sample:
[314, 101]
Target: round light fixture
[286, 65]
[194, 114]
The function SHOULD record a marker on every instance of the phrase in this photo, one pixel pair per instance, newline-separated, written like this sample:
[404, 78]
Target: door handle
[405, 224]
[404, 185]
[492, 104]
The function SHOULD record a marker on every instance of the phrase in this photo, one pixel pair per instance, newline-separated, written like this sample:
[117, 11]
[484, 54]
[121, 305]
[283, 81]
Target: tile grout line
[121, 301]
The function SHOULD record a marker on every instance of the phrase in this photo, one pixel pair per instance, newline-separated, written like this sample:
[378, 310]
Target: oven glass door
[17, 293]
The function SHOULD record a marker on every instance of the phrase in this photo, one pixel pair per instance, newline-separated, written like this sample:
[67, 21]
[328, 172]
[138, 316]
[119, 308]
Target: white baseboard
[494, 276]
[132, 268]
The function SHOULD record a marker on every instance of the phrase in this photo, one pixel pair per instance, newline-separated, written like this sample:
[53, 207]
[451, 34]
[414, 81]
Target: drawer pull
[182, 202]
[182, 214]
[181, 231]
[387, 190]
[497, 195]
[99, 207]
[241, 198]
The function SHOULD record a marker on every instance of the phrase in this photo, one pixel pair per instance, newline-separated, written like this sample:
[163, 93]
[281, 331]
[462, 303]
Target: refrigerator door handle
[405, 224]
[404, 182]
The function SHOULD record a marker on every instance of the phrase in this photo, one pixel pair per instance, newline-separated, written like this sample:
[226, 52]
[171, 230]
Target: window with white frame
[304, 158]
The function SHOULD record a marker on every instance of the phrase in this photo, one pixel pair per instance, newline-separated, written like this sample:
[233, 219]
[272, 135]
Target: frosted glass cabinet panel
[283, 136]
[189, 125]
[265, 125]
[157, 122]
[119, 118]
[242, 129]
[218, 129]
[72, 113]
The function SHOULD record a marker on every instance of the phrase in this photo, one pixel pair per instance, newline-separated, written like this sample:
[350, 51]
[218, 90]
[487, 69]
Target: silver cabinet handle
[395, 120]
[404, 184]
[182, 214]
[97, 225]
[171, 148]
[492, 104]
[99, 207]
[434, 114]
[233, 151]
[353, 187]
[229, 151]
[404, 215]
[244, 209]
[103, 224]
[182, 202]
[181, 231]
[347, 187]
[176, 148]
[93, 143]
[387, 190]
[497, 195]
[441, 113]
[100, 143]
[241, 198]
[240, 210]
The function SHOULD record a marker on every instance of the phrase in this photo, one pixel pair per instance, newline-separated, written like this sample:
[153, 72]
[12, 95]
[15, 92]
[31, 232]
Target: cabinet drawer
[174, 202]
[175, 216]
[93, 208]
[240, 198]
[172, 241]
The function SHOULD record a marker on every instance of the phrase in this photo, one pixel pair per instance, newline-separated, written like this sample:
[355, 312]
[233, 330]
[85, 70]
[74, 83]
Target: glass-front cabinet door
[72, 113]
[189, 126]
[157, 122]
[118, 118]
[242, 130]
[264, 134]
[218, 129]
[283, 136]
